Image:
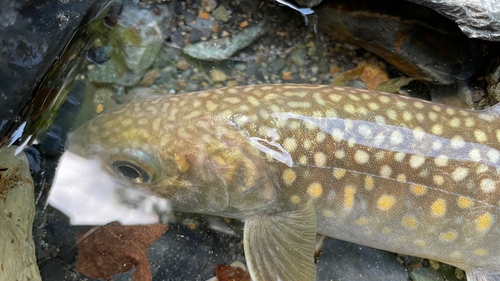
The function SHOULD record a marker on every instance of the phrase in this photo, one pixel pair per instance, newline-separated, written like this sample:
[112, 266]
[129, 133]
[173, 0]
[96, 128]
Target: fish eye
[131, 172]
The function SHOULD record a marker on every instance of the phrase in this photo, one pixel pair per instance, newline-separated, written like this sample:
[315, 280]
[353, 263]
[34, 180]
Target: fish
[387, 171]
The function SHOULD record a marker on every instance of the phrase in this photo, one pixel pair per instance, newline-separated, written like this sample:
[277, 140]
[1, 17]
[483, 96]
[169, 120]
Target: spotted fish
[382, 170]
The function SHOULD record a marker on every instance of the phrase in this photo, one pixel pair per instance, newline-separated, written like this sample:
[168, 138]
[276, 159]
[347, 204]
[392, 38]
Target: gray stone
[426, 274]
[344, 261]
[476, 18]
[221, 14]
[140, 25]
[108, 74]
[224, 48]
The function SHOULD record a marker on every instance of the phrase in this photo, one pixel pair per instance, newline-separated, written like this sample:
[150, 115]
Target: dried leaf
[230, 273]
[114, 248]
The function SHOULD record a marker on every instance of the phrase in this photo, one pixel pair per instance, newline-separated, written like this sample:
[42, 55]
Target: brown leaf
[114, 248]
[229, 273]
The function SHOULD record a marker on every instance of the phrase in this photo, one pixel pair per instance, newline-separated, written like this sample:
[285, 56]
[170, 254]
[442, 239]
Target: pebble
[150, 77]
[221, 14]
[182, 65]
[208, 5]
[218, 76]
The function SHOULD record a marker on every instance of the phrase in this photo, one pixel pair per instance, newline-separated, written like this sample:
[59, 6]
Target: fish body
[382, 170]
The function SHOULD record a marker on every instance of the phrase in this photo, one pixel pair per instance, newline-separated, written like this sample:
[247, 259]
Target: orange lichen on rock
[114, 248]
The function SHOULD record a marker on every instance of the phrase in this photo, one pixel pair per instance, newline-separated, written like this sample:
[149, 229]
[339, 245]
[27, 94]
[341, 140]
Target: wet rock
[208, 5]
[98, 55]
[17, 210]
[138, 35]
[341, 260]
[493, 80]
[150, 77]
[32, 36]
[221, 14]
[224, 48]
[218, 76]
[413, 46]
[197, 35]
[309, 3]
[426, 274]
[476, 18]
[108, 74]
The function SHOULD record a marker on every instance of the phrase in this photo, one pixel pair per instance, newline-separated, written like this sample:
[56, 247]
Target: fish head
[203, 164]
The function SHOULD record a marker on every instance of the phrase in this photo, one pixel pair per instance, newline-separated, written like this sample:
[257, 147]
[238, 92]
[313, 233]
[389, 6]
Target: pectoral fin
[281, 246]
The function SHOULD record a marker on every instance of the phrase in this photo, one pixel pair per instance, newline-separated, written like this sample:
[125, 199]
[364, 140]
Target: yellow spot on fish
[307, 144]
[469, 122]
[373, 106]
[361, 157]
[401, 178]
[438, 179]
[384, 99]
[460, 173]
[295, 199]
[303, 159]
[456, 255]
[297, 104]
[253, 101]
[418, 105]
[475, 155]
[480, 136]
[450, 111]
[418, 189]
[126, 122]
[464, 202]
[328, 213]
[436, 108]
[385, 202]
[320, 137]
[349, 108]
[449, 236]
[289, 176]
[211, 106]
[441, 161]
[392, 114]
[369, 182]
[455, 122]
[361, 221]
[339, 154]
[398, 157]
[409, 222]
[142, 121]
[320, 159]
[335, 97]
[338, 173]
[457, 142]
[437, 129]
[385, 230]
[407, 116]
[385, 171]
[290, 144]
[270, 97]
[420, 117]
[487, 185]
[419, 243]
[418, 133]
[433, 116]
[416, 161]
[481, 169]
[481, 252]
[349, 197]
[152, 109]
[483, 222]
[396, 138]
[315, 190]
[438, 208]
